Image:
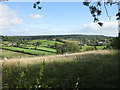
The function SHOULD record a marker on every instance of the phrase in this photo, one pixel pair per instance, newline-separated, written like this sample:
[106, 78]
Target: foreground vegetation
[93, 69]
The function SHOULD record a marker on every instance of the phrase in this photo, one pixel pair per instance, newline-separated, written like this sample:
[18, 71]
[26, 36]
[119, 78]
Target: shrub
[90, 48]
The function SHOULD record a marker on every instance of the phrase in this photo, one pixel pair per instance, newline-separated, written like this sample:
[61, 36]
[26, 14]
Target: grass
[98, 48]
[29, 51]
[44, 48]
[50, 43]
[34, 41]
[10, 54]
[0, 45]
[6, 42]
[70, 41]
[93, 69]
[45, 42]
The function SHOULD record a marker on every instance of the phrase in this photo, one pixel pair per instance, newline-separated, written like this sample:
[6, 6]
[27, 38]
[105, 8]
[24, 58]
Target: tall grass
[93, 69]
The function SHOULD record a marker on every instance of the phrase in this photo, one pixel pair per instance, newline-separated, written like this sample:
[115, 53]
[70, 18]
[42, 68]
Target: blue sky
[54, 18]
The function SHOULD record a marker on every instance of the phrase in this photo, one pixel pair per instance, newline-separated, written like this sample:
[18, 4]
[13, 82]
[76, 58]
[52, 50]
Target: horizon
[58, 35]
[55, 18]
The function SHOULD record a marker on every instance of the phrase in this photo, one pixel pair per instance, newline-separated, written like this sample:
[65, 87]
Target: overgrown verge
[82, 71]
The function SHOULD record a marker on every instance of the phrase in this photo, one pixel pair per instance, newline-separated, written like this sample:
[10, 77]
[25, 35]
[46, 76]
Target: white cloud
[36, 16]
[8, 18]
[108, 29]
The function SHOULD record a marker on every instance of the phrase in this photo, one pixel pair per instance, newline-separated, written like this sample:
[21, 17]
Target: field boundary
[38, 49]
[19, 51]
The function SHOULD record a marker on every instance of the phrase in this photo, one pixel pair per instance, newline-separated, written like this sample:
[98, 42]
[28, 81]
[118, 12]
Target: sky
[55, 18]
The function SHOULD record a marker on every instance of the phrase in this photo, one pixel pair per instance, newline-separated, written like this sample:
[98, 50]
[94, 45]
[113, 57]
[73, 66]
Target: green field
[50, 43]
[6, 41]
[45, 42]
[88, 70]
[29, 51]
[85, 47]
[34, 41]
[38, 51]
[44, 48]
[100, 47]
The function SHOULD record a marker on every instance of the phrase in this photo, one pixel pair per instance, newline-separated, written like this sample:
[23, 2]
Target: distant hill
[71, 37]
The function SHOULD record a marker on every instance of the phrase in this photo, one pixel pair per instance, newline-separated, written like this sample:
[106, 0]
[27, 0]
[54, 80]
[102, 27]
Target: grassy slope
[96, 69]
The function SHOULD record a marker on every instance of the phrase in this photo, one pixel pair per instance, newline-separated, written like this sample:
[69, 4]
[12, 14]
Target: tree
[38, 43]
[36, 5]
[18, 44]
[116, 43]
[68, 48]
[55, 45]
[95, 8]
[91, 48]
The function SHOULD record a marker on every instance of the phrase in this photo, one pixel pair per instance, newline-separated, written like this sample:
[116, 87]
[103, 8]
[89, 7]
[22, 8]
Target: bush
[68, 48]
[90, 48]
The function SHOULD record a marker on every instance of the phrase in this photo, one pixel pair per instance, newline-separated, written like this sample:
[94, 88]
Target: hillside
[75, 37]
[93, 69]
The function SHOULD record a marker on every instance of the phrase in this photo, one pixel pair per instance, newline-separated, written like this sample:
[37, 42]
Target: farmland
[85, 47]
[27, 51]
[30, 48]
[45, 42]
[44, 46]
[8, 52]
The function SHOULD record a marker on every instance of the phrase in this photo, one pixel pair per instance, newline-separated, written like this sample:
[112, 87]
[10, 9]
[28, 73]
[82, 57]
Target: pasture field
[85, 47]
[10, 54]
[28, 51]
[100, 47]
[92, 69]
[70, 41]
[50, 43]
[34, 41]
[45, 42]
[6, 42]
[44, 48]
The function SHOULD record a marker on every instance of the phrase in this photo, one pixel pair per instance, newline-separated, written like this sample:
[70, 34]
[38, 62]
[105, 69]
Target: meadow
[91, 69]
[85, 47]
[45, 42]
[43, 48]
[27, 51]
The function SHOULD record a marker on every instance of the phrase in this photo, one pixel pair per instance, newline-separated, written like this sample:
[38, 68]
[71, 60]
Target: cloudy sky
[20, 18]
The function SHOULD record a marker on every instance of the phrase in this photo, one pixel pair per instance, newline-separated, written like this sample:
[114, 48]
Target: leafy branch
[37, 5]
[95, 8]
